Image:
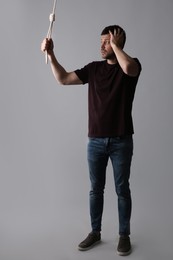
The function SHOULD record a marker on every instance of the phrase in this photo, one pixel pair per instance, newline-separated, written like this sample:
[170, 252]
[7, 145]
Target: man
[112, 84]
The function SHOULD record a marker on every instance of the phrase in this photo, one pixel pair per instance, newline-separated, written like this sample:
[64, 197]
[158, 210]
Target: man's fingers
[114, 33]
[46, 45]
[117, 32]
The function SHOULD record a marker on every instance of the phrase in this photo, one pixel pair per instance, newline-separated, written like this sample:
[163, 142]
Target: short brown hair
[112, 28]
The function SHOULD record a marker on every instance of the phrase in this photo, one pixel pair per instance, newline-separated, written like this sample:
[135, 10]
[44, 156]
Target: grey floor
[48, 237]
[47, 221]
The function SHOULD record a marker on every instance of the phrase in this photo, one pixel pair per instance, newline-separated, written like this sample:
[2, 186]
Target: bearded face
[106, 49]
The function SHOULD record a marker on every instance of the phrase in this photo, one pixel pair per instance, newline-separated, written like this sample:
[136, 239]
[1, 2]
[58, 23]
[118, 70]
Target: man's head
[106, 48]
[112, 29]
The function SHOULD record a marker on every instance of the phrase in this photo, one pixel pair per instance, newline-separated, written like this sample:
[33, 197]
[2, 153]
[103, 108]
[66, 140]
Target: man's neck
[112, 61]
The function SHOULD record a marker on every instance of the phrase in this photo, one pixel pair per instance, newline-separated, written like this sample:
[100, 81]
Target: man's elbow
[131, 69]
[62, 81]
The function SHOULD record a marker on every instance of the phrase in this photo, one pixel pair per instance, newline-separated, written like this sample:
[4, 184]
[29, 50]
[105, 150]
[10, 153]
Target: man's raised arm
[61, 75]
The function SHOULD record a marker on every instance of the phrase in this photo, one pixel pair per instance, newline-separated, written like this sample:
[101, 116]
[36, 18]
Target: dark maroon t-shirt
[110, 97]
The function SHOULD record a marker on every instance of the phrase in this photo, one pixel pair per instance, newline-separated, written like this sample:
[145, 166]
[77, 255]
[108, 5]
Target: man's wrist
[51, 55]
[116, 47]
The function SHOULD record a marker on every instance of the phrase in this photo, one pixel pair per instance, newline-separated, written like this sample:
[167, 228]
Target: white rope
[51, 19]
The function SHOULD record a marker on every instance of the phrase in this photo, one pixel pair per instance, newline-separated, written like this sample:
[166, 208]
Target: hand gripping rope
[51, 19]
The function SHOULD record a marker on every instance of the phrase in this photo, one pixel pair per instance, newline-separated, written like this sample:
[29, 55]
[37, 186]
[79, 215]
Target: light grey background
[44, 180]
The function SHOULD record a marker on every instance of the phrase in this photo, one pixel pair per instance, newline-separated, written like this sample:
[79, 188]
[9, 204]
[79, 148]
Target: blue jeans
[119, 150]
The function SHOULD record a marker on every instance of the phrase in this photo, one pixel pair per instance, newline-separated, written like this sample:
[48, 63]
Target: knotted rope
[51, 19]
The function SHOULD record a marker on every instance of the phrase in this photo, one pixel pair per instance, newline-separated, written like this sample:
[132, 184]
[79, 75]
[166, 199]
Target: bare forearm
[61, 75]
[58, 71]
[127, 63]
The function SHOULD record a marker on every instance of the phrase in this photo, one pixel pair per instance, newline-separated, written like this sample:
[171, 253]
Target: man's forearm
[127, 63]
[58, 71]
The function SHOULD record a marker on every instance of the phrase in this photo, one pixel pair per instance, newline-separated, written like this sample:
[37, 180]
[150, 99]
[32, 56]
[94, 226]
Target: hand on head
[117, 37]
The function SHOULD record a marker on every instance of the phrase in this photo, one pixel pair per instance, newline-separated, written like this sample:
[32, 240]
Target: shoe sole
[124, 253]
[89, 247]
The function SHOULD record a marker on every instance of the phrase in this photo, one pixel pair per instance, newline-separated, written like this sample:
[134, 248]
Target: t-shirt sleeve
[139, 64]
[83, 74]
